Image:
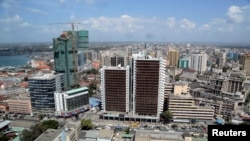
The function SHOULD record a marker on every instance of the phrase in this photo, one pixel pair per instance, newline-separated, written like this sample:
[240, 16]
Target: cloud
[25, 24]
[217, 21]
[33, 10]
[5, 4]
[187, 24]
[205, 27]
[62, 1]
[14, 19]
[72, 17]
[226, 28]
[235, 14]
[122, 24]
[171, 22]
[89, 1]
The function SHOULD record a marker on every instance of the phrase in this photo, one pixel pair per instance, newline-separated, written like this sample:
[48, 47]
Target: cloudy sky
[127, 20]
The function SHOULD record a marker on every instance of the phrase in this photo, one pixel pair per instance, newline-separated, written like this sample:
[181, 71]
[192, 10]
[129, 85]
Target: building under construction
[65, 50]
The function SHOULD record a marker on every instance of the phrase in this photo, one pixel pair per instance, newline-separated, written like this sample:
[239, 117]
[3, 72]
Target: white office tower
[199, 61]
[148, 83]
[115, 89]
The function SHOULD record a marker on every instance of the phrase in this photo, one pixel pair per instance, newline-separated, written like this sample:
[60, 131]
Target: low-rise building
[4, 108]
[184, 109]
[96, 135]
[20, 125]
[180, 88]
[12, 91]
[73, 130]
[149, 135]
[222, 106]
[50, 135]
[71, 102]
[189, 74]
[19, 105]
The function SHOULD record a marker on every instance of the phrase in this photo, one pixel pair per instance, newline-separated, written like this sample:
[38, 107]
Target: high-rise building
[221, 60]
[246, 64]
[115, 89]
[81, 60]
[232, 55]
[65, 55]
[199, 61]
[148, 86]
[137, 89]
[42, 88]
[184, 63]
[71, 102]
[188, 51]
[115, 61]
[173, 57]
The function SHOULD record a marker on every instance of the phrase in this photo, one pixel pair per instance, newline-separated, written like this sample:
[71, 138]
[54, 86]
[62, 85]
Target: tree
[174, 126]
[52, 124]
[166, 116]
[86, 124]
[25, 79]
[92, 71]
[40, 116]
[245, 123]
[225, 68]
[3, 137]
[92, 87]
[90, 92]
[38, 129]
[27, 135]
[127, 130]
[177, 77]
[6, 117]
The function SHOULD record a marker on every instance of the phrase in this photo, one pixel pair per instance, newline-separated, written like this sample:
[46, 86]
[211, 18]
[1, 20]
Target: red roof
[189, 70]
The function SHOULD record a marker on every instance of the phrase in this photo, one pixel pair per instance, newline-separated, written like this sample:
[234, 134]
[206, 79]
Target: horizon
[224, 21]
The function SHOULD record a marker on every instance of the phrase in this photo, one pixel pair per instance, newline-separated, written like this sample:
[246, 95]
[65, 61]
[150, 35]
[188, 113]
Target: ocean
[14, 61]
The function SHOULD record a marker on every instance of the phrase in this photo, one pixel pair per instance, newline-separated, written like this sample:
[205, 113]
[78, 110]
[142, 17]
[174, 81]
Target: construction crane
[73, 39]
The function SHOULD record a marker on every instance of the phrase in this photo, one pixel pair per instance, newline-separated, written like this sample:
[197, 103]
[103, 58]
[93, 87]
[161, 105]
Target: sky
[222, 21]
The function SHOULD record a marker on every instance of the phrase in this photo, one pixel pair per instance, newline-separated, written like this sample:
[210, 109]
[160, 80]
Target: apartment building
[20, 105]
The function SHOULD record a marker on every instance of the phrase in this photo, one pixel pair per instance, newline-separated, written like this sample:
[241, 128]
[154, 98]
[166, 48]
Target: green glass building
[65, 50]
[184, 63]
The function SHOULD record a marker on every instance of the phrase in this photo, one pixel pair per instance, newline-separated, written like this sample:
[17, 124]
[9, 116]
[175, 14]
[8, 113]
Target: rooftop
[49, 135]
[19, 98]
[4, 123]
[78, 90]
[43, 76]
[105, 134]
[113, 68]
[22, 123]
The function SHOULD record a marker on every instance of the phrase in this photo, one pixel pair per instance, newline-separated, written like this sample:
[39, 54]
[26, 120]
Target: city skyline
[224, 21]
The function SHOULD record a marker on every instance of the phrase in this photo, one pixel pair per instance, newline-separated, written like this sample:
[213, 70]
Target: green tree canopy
[92, 71]
[225, 68]
[127, 130]
[92, 87]
[86, 124]
[166, 116]
[3, 137]
[175, 126]
[38, 129]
